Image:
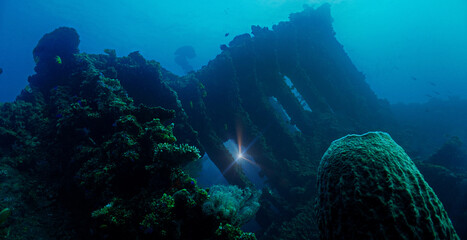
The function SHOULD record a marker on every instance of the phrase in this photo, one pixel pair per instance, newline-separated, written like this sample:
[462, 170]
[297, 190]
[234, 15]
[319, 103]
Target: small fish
[226, 35]
[59, 115]
[437, 93]
[432, 84]
[103, 226]
[413, 78]
[1, 70]
[58, 59]
[428, 95]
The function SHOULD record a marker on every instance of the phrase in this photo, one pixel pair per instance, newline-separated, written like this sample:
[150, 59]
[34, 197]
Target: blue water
[208, 174]
[410, 51]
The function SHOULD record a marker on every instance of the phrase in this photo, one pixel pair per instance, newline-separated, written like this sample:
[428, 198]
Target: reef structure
[98, 140]
[368, 188]
[101, 165]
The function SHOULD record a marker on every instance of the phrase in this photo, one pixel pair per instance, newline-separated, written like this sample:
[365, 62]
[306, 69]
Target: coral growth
[93, 147]
[115, 165]
[232, 204]
[368, 188]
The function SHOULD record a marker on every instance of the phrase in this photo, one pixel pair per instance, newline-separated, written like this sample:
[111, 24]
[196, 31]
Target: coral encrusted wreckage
[96, 147]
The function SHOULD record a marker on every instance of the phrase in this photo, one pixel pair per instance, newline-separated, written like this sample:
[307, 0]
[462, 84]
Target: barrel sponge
[368, 188]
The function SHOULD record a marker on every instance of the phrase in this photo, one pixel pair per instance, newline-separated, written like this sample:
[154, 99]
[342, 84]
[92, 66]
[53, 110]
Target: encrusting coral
[114, 164]
[92, 148]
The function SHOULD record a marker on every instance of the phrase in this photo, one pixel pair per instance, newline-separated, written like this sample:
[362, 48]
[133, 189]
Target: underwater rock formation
[451, 155]
[144, 81]
[53, 56]
[103, 166]
[368, 188]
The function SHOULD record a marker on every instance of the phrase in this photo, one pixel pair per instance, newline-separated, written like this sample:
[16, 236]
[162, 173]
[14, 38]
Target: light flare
[241, 153]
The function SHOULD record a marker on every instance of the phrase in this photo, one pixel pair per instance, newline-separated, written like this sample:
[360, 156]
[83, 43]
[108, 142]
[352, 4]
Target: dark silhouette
[182, 54]
[224, 47]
